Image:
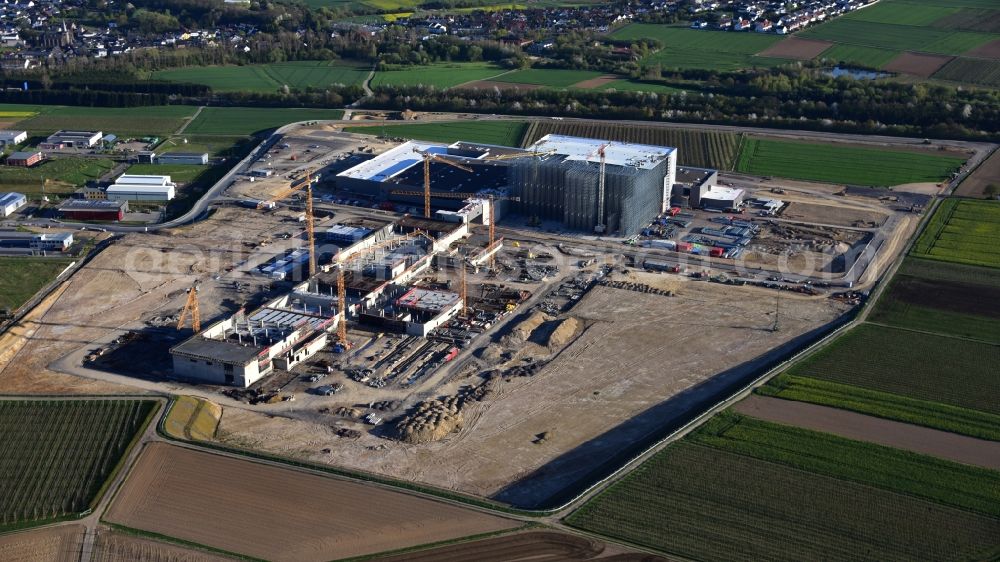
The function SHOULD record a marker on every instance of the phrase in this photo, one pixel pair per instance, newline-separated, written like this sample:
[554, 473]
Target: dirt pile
[432, 420]
[563, 333]
[523, 330]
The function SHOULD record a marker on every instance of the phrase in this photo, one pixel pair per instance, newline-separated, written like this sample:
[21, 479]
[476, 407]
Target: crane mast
[191, 306]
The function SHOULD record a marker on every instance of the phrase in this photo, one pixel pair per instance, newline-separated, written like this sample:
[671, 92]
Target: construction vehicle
[191, 306]
[293, 188]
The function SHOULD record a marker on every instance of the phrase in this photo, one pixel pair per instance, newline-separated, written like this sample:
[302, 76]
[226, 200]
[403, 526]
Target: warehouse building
[13, 137]
[129, 187]
[93, 210]
[565, 185]
[25, 159]
[244, 347]
[690, 184]
[722, 199]
[72, 139]
[199, 159]
[11, 202]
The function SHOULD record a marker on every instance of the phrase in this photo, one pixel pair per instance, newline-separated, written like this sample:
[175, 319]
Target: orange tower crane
[428, 158]
[293, 188]
[191, 306]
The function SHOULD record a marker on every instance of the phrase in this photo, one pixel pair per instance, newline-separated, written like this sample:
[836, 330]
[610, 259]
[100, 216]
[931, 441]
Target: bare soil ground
[278, 513]
[536, 546]
[832, 214]
[951, 446]
[112, 546]
[918, 64]
[987, 173]
[490, 84]
[61, 543]
[137, 278]
[607, 389]
[596, 82]
[796, 48]
[990, 50]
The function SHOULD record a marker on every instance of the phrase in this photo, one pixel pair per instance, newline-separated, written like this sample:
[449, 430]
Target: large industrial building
[11, 202]
[93, 210]
[557, 178]
[35, 244]
[130, 187]
[71, 139]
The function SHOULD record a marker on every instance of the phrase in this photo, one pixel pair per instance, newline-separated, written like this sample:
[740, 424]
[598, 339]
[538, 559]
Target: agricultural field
[825, 162]
[316, 517]
[695, 148]
[962, 231]
[852, 30]
[715, 50]
[925, 297]
[439, 75]
[121, 546]
[929, 367]
[249, 120]
[972, 71]
[59, 453]
[931, 478]
[926, 413]
[919, 14]
[971, 19]
[985, 175]
[60, 543]
[56, 175]
[504, 133]
[22, 277]
[856, 55]
[213, 145]
[179, 173]
[706, 503]
[549, 78]
[124, 122]
[628, 85]
[297, 75]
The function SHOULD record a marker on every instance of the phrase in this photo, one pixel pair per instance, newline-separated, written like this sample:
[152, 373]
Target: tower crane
[191, 305]
[294, 187]
[429, 157]
[341, 262]
[600, 227]
[488, 214]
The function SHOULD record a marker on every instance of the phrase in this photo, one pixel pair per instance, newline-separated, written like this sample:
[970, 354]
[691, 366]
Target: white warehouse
[129, 187]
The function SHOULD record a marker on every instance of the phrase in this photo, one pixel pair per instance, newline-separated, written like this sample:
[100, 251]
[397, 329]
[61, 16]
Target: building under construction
[585, 184]
[567, 185]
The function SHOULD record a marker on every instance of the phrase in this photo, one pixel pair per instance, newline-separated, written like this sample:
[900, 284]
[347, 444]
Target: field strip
[871, 429]
[930, 333]
[484, 79]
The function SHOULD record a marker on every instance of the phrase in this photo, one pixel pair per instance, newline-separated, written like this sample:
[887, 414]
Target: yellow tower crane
[341, 262]
[191, 306]
[488, 213]
[294, 187]
[428, 158]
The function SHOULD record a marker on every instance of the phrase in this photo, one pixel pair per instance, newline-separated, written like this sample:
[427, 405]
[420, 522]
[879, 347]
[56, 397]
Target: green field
[842, 164]
[690, 48]
[962, 231]
[297, 75]
[179, 173]
[249, 120]
[63, 174]
[700, 502]
[548, 77]
[124, 122]
[58, 454]
[625, 85]
[941, 481]
[21, 278]
[902, 13]
[869, 57]
[884, 405]
[213, 145]
[894, 37]
[972, 19]
[929, 367]
[503, 133]
[973, 71]
[707, 149]
[439, 75]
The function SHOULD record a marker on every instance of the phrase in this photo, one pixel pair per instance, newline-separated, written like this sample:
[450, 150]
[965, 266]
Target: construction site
[387, 307]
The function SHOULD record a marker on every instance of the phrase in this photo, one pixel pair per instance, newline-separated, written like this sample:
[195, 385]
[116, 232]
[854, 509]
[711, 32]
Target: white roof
[393, 162]
[12, 197]
[722, 193]
[132, 179]
[616, 153]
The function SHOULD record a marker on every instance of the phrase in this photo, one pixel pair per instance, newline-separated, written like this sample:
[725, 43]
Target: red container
[684, 246]
[716, 252]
